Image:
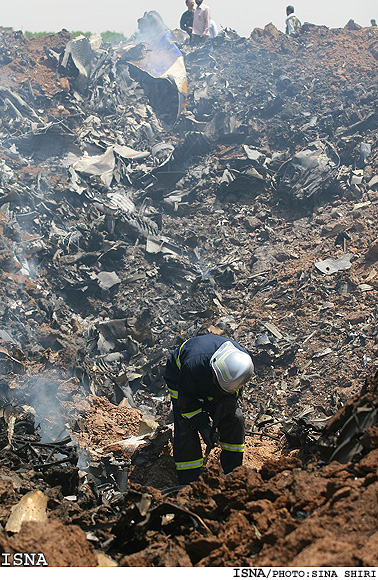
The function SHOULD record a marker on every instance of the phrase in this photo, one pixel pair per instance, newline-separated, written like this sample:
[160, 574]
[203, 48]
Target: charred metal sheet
[343, 437]
[110, 475]
[158, 56]
[18, 105]
[331, 266]
[101, 165]
[348, 444]
[308, 173]
[80, 51]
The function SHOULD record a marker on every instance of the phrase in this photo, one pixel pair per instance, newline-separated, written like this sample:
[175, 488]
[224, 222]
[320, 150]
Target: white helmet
[232, 367]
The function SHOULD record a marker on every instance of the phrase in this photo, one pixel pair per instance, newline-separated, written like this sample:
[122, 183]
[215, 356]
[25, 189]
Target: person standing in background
[201, 22]
[186, 22]
[293, 23]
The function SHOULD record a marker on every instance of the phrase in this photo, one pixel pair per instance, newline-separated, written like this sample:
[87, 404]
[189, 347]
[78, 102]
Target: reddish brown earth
[30, 61]
[270, 512]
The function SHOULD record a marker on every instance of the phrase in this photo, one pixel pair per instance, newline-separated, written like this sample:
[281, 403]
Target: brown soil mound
[104, 426]
[59, 545]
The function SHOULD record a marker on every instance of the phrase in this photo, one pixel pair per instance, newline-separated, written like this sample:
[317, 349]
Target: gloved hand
[201, 423]
[206, 435]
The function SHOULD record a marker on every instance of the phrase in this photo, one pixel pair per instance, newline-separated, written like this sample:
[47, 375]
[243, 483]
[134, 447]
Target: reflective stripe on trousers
[232, 447]
[187, 450]
[181, 466]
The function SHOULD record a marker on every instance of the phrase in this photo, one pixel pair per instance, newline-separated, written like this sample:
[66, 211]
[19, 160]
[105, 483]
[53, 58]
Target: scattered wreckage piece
[308, 173]
[79, 52]
[20, 443]
[17, 105]
[331, 266]
[345, 438]
[158, 64]
[272, 348]
[141, 516]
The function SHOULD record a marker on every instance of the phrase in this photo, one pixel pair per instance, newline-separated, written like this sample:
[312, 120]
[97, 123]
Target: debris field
[130, 222]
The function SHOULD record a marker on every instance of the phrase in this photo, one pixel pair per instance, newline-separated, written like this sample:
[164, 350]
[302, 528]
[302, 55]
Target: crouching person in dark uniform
[205, 377]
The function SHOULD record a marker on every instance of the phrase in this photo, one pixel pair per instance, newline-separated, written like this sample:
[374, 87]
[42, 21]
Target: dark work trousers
[187, 450]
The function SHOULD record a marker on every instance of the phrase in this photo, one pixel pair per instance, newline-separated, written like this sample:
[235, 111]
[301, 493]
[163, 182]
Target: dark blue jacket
[189, 376]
